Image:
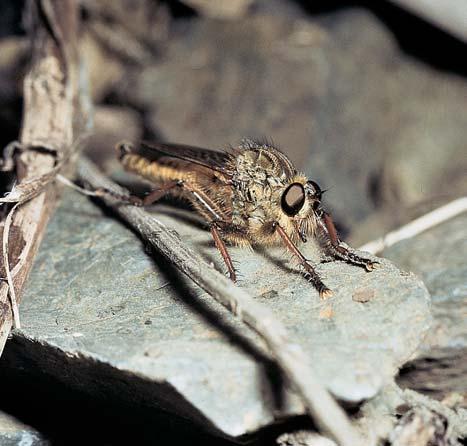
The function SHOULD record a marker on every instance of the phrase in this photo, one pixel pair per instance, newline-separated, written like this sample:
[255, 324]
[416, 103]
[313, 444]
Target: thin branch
[417, 226]
[289, 356]
[6, 265]
[81, 190]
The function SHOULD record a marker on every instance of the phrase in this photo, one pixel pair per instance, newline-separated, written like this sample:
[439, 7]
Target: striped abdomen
[156, 171]
[201, 184]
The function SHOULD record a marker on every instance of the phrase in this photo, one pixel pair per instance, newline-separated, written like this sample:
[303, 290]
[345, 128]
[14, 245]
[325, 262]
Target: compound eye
[317, 190]
[293, 199]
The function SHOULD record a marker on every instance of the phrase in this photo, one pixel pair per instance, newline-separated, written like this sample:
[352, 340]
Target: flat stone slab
[14, 433]
[439, 257]
[95, 295]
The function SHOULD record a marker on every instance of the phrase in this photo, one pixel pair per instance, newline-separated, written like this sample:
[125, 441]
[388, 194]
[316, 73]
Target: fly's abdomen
[154, 171]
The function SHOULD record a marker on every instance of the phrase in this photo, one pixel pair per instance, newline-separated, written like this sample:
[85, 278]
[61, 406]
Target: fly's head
[314, 194]
[301, 206]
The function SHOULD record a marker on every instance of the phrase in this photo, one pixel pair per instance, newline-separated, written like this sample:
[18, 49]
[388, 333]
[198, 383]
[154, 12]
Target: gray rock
[281, 77]
[13, 433]
[378, 128]
[385, 124]
[222, 9]
[230, 80]
[95, 297]
[439, 257]
[440, 373]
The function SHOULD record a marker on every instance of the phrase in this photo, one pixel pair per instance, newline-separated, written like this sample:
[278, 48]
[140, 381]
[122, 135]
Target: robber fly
[248, 195]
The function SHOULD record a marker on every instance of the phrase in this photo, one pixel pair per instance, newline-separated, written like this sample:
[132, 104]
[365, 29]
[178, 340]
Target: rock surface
[95, 297]
[222, 9]
[14, 433]
[439, 257]
[380, 129]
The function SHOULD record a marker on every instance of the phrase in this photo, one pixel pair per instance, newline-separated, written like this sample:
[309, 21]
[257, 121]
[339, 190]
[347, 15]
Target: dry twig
[53, 118]
[417, 226]
[289, 356]
[6, 266]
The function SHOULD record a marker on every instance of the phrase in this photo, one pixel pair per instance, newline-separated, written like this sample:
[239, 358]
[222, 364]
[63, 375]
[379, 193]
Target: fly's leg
[152, 197]
[221, 228]
[216, 225]
[199, 196]
[333, 247]
[220, 245]
[157, 194]
[310, 273]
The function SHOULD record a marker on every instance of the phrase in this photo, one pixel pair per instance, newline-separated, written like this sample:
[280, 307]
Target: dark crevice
[77, 400]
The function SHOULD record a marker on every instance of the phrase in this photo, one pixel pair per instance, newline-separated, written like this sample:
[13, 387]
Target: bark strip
[53, 120]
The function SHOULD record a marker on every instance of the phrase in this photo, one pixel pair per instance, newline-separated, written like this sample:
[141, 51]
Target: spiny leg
[238, 233]
[200, 197]
[216, 225]
[152, 197]
[332, 245]
[311, 274]
[220, 245]
[157, 194]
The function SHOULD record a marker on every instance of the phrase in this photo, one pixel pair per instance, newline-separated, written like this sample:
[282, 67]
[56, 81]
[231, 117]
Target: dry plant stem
[81, 190]
[417, 226]
[289, 356]
[6, 265]
[30, 218]
[449, 15]
[53, 119]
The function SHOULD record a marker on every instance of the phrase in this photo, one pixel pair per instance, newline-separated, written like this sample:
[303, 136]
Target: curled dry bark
[54, 118]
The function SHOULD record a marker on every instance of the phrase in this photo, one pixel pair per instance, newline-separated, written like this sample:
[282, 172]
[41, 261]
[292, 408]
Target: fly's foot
[135, 201]
[343, 253]
[312, 276]
[233, 276]
[371, 266]
[325, 293]
[326, 259]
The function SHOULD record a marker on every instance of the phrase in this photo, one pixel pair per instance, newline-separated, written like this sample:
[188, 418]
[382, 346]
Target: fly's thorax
[257, 175]
[256, 191]
[260, 163]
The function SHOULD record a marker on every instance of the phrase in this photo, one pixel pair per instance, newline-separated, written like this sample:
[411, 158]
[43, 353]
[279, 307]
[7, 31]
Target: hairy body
[249, 195]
